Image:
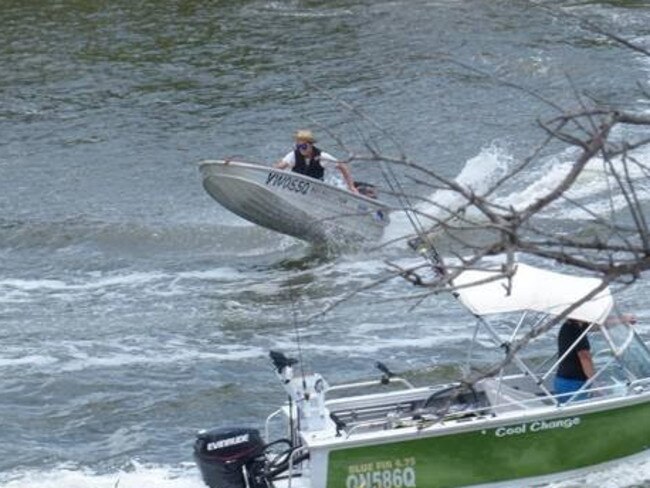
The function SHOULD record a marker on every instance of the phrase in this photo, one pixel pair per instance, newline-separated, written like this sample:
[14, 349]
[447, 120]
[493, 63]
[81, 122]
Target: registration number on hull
[288, 182]
[392, 473]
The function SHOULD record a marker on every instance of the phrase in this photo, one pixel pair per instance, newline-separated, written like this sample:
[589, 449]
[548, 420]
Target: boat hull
[493, 452]
[294, 204]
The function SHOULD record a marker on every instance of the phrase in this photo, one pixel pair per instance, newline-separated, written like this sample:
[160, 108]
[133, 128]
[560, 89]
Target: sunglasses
[302, 146]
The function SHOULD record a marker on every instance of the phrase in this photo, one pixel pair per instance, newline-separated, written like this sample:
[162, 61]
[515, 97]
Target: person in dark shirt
[577, 367]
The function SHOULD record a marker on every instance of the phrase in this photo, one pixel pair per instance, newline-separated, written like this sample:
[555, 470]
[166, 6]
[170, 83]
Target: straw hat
[304, 136]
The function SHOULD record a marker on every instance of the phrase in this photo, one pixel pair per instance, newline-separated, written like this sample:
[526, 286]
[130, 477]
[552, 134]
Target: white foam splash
[592, 188]
[72, 357]
[593, 185]
[367, 344]
[478, 174]
[88, 283]
[29, 360]
[135, 476]
[629, 473]
[230, 352]
[20, 290]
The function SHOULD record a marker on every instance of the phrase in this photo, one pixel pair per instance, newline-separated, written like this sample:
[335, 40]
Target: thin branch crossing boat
[503, 429]
[294, 204]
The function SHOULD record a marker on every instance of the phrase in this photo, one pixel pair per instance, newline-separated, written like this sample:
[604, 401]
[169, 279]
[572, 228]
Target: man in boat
[577, 367]
[309, 160]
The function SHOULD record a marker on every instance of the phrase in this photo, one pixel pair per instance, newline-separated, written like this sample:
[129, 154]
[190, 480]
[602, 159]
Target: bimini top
[534, 289]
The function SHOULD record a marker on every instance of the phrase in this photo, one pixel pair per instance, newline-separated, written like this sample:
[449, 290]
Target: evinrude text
[231, 441]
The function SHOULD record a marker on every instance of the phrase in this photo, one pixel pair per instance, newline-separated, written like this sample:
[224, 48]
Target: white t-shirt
[326, 159]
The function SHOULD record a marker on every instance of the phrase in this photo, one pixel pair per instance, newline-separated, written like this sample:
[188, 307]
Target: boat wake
[632, 474]
[478, 174]
[629, 474]
[591, 190]
[135, 238]
[135, 475]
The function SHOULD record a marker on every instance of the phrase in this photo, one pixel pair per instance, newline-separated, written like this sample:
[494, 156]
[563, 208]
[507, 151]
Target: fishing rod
[300, 361]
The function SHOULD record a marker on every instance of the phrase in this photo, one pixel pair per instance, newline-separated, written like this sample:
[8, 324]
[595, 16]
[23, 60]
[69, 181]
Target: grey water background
[134, 310]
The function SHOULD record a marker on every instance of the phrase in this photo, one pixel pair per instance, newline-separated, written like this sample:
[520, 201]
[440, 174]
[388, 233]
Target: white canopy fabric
[534, 289]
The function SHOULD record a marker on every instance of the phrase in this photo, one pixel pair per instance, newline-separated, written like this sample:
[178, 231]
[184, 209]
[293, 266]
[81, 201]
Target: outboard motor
[228, 458]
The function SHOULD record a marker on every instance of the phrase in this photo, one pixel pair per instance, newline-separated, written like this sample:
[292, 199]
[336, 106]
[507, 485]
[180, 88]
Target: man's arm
[584, 355]
[285, 162]
[347, 176]
[624, 318]
[282, 164]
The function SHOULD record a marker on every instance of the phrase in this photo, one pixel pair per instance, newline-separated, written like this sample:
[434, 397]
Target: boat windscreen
[633, 355]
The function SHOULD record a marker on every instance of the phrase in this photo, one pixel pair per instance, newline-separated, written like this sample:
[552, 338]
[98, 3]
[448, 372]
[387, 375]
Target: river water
[134, 310]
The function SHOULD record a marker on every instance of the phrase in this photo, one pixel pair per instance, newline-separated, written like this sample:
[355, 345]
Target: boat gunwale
[327, 441]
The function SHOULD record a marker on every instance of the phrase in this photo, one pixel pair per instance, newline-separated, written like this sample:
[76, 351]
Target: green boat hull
[528, 449]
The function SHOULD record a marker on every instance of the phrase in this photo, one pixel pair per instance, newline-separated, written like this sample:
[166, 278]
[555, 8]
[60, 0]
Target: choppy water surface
[134, 310]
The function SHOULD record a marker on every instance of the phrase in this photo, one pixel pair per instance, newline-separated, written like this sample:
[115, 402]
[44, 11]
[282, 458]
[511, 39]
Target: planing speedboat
[507, 428]
[294, 204]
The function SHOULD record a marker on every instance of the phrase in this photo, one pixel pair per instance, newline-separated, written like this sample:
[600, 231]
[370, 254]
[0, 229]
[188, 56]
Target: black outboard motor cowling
[222, 453]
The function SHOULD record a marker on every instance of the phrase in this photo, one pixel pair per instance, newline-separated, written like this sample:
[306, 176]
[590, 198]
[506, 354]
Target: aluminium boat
[294, 204]
[507, 428]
